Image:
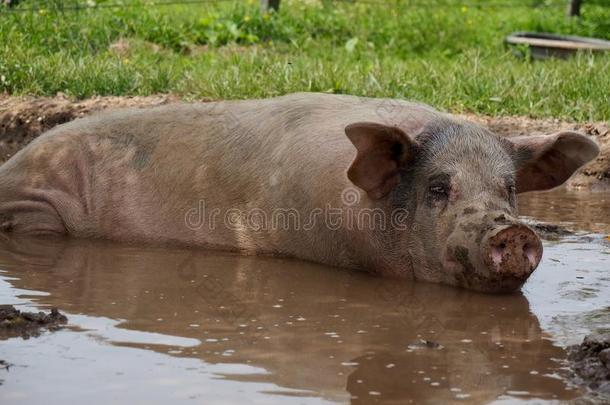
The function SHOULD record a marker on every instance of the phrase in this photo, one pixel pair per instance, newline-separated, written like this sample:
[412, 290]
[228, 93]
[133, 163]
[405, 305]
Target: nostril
[496, 254]
[532, 254]
[498, 251]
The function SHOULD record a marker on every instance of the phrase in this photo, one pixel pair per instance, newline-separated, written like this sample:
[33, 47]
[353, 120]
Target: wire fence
[91, 5]
[61, 6]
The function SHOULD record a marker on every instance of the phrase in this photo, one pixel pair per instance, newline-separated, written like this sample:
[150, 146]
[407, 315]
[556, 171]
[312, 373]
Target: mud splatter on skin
[477, 230]
[469, 211]
[500, 218]
[468, 277]
[461, 255]
[473, 229]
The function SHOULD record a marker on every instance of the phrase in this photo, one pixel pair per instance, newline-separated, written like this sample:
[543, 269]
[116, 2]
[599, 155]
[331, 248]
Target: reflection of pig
[137, 175]
[311, 329]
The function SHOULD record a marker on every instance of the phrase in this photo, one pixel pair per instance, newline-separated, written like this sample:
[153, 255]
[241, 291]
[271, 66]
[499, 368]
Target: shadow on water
[308, 332]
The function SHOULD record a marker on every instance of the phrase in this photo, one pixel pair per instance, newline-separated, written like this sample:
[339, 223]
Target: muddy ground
[24, 118]
[590, 365]
[14, 323]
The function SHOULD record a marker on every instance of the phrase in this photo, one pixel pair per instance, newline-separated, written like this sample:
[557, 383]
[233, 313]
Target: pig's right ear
[546, 161]
[381, 152]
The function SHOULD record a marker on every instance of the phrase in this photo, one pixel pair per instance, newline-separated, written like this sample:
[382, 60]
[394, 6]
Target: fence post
[574, 8]
[268, 5]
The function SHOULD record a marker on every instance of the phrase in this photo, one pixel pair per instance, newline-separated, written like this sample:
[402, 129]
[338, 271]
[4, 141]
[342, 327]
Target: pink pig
[388, 186]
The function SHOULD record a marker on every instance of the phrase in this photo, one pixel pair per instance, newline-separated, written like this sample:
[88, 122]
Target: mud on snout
[492, 252]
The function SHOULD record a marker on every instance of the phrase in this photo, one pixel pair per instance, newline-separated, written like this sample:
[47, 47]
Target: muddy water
[577, 210]
[152, 325]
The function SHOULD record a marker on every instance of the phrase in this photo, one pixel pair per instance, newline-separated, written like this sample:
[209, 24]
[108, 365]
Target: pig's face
[458, 181]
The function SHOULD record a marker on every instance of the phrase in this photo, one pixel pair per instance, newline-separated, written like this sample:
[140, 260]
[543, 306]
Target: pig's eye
[511, 189]
[439, 191]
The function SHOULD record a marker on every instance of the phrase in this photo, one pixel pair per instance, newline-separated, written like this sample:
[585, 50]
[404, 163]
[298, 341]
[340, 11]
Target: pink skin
[516, 248]
[140, 176]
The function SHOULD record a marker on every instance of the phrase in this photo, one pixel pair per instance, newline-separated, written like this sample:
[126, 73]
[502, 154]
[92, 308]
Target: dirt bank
[24, 118]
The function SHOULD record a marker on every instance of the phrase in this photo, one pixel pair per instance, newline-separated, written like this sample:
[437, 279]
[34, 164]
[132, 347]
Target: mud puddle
[152, 325]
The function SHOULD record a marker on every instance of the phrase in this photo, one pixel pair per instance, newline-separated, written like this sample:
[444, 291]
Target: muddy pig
[392, 187]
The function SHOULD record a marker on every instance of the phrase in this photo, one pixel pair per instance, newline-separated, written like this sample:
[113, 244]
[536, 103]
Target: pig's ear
[381, 151]
[544, 162]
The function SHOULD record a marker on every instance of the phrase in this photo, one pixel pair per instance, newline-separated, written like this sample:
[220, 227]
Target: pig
[392, 187]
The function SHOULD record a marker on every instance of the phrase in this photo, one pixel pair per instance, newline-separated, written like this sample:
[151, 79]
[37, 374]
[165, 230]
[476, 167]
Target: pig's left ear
[381, 152]
[544, 162]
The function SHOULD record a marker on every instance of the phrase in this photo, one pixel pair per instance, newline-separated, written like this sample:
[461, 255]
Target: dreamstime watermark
[348, 215]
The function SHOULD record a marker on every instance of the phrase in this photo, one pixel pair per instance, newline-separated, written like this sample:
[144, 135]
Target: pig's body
[135, 175]
[177, 173]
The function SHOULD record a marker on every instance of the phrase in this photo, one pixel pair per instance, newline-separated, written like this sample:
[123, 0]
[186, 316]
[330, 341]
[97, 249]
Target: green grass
[449, 55]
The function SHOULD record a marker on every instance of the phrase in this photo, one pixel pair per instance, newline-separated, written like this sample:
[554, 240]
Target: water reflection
[315, 331]
[580, 210]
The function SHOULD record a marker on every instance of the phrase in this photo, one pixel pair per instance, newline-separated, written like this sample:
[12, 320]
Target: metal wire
[111, 5]
[389, 3]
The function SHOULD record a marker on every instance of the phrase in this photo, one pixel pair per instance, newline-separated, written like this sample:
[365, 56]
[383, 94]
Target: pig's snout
[492, 252]
[512, 250]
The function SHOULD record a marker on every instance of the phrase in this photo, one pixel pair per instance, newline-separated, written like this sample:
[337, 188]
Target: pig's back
[303, 122]
[142, 169]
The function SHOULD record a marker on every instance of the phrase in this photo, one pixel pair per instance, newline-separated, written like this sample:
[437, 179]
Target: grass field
[448, 53]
